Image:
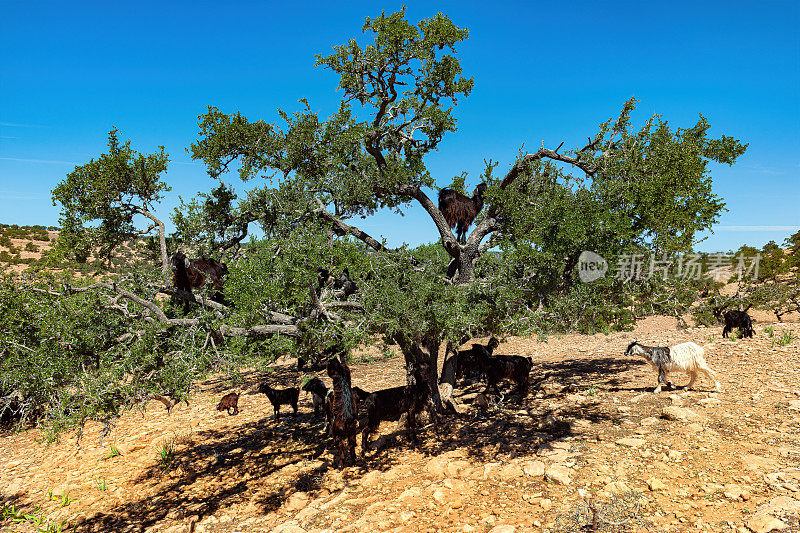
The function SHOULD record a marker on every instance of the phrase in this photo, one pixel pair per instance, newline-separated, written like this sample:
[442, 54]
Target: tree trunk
[162, 240]
[425, 355]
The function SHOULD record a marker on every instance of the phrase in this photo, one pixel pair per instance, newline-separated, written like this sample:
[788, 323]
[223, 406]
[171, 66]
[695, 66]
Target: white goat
[685, 357]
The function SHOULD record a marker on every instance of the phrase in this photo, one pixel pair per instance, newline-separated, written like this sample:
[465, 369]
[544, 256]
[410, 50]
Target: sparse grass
[36, 518]
[65, 499]
[113, 452]
[591, 391]
[101, 483]
[786, 339]
[770, 331]
[166, 453]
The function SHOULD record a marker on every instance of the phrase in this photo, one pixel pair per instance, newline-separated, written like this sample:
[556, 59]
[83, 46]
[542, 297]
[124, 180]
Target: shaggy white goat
[685, 357]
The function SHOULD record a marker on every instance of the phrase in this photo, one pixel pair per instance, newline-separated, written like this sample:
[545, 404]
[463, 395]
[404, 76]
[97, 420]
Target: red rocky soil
[590, 444]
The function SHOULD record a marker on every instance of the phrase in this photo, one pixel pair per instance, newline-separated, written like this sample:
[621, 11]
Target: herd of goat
[349, 410]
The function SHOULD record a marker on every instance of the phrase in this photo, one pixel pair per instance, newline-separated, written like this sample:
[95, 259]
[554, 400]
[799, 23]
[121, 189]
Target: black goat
[512, 367]
[459, 210]
[278, 397]
[472, 363]
[228, 402]
[738, 319]
[345, 283]
[318, 391]
[188, 273]
[391, 404]
[344, 423]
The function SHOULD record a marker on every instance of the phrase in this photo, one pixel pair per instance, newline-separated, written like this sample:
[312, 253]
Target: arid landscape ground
[591, 448]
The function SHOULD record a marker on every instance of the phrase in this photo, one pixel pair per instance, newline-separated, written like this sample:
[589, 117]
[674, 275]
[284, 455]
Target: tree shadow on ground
[260, 464]
[513, 426]
[213, 470]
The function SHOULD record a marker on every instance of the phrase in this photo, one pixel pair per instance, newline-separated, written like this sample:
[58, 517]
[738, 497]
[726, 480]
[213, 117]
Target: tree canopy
[100, 199]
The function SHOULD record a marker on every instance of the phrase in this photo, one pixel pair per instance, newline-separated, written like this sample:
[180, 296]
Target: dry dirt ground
[591, 448]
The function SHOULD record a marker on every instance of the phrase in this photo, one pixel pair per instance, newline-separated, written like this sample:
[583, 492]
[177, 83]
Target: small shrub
[30, 247]
[786, 338]
[166, 454]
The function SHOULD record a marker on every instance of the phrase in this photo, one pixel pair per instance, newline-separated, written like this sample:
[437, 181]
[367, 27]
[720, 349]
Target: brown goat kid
[459, 210]
[228, 402]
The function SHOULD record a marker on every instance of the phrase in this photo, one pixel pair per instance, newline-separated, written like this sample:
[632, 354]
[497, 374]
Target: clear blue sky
[550, 72]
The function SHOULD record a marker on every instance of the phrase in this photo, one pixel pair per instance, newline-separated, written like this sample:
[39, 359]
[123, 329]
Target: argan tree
[645, 189]
[100, 199]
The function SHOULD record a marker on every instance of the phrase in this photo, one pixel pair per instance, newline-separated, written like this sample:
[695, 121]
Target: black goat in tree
[459, 211]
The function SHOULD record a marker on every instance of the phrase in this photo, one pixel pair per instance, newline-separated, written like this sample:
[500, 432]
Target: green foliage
[100, 199]
[71, 359]
[786, 338]
[773, 262]
[113, 452]
[166, 453]
[793, 248]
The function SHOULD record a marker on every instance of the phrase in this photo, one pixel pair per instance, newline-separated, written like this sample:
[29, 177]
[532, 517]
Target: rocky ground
[590, 449]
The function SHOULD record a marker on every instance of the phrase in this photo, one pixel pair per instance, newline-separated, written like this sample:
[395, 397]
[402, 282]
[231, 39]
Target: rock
[733, 491]
[546, 504]
[490, 470]
[297, 501]
[533, 468]
[640, 397]
[709, 401]
[510, 471]
[794, 405]
[503, 529]
[558, 474]
[631, 443]
[456, 468]
[680, 413]
[765, 523]
[616, 487]
[780, 504]
[409, 493]
[675, 455]
[676, 400]
[694, 427]
[436, 466]
[656, 484]
[580, 426]
[372, 478]
[288, 527]
[552, 388]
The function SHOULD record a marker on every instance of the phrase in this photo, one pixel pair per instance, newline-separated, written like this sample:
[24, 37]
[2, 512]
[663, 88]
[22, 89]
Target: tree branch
[342, 228]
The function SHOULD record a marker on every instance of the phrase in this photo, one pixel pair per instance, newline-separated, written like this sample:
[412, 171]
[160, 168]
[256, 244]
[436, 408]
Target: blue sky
[550, 72]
